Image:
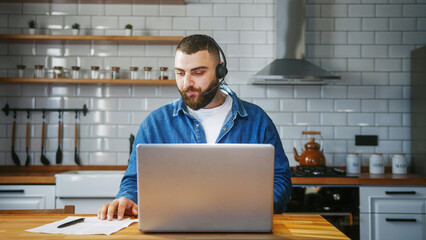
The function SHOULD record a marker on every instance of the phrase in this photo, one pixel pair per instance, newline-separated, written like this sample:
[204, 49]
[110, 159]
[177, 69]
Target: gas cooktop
[319, 171]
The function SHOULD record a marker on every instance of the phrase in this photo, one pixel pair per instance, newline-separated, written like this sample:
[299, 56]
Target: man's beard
[202, 100]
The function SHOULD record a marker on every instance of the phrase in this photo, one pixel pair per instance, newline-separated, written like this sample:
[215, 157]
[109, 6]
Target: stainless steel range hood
[291, 67]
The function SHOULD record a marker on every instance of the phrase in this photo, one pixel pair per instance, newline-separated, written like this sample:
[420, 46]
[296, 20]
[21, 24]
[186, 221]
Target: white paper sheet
[91, 225]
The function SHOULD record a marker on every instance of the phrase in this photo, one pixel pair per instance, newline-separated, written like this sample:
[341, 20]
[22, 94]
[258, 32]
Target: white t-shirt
[212, 119]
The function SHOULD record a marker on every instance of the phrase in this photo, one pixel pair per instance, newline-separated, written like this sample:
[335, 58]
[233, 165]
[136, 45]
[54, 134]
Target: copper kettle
[312, 156]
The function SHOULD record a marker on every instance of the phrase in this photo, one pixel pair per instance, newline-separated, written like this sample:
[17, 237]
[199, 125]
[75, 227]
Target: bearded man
[206, 112]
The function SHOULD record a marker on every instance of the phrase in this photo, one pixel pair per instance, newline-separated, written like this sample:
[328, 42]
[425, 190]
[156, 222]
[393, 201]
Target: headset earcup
[221, 71]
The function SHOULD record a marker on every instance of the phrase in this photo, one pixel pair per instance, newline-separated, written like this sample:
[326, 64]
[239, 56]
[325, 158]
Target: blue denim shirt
[246, 123]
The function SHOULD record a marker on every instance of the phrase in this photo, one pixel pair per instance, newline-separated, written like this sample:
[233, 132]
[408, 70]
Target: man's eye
[180, 73]
[197, 73]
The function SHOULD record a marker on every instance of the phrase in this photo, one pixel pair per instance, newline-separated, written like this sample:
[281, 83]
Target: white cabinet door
[27, 196]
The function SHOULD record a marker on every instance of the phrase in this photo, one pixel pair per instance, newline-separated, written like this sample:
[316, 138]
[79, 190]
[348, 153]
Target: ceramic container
[399, 164]
[377, 164]
[353, 163]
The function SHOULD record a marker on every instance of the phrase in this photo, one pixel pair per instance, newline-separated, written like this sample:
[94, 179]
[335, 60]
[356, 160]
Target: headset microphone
[211, 90]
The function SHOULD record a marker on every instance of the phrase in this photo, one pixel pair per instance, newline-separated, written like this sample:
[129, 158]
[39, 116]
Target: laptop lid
[205, 187]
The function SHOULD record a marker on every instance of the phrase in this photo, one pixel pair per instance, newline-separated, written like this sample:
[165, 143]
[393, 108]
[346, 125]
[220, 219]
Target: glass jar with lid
[94, 74]
[115, 72]
[58, 71]
[134, 74]
[38, 71]
[21, 70]
[75, 73]
[147, 73]
[163, 73]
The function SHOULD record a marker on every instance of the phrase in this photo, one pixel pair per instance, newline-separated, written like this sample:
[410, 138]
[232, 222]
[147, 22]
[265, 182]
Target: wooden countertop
[46, 175]
[43, 174]
[287, 226]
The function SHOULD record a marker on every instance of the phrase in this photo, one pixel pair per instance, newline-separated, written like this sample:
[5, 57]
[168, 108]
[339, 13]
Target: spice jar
[21, 70]
[163, 73]
[399, 164]
[58, 72]
[75, 74]
[134, 74]
[115, 72]
[377, 164]
[38, 71]
[147, 73]
[95, 72]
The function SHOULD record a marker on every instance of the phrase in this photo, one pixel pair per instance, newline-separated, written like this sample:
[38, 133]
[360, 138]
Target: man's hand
[120, 207]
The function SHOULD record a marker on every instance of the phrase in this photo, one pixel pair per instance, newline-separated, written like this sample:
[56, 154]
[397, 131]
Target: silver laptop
[205, 187]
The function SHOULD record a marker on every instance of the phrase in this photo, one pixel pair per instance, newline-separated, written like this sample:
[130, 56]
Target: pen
[71, 223]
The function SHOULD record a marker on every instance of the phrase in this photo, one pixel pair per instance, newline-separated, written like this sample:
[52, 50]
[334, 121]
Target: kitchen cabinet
[87, 190]
[392, 213]
[27, 196]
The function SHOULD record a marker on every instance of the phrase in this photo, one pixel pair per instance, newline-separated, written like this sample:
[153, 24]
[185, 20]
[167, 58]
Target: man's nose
[187, 81]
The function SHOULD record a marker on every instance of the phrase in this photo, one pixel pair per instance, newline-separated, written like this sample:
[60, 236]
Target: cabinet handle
[400, 192]
[12, 191]
[401, 220]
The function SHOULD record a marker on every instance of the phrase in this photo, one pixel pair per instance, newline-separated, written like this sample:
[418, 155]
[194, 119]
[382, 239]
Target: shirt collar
[237, 104]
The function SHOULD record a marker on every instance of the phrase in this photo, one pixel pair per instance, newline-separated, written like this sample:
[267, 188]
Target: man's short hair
[194, 43]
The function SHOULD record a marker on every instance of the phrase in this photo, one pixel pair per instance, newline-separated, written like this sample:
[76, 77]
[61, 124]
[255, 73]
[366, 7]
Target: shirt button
[224, 129]
[196, 125]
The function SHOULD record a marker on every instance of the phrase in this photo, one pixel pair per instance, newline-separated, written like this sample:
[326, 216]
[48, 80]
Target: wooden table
[288, 226]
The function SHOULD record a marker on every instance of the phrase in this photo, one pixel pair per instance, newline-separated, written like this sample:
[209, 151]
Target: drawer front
[27, 197]
[380, 205]
[392, 226]
[392, 199]
[90, 184]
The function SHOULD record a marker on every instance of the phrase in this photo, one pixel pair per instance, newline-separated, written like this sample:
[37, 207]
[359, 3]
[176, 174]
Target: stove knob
[336, 196]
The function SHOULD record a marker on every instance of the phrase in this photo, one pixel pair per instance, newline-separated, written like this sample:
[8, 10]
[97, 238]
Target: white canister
[353, 163]
[377, 164]
[399, 164]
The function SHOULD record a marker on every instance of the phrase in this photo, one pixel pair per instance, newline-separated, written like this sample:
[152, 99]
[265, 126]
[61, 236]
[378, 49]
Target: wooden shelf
[174, 2]
[88, 81]
[87, 39]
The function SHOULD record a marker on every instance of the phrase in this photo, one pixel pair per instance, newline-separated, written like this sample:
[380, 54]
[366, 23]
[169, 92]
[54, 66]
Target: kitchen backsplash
[367, 42]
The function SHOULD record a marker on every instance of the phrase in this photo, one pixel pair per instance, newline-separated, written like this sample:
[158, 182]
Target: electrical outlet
[366, 140]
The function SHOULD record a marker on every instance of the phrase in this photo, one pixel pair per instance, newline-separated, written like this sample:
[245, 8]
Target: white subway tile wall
[368, 43]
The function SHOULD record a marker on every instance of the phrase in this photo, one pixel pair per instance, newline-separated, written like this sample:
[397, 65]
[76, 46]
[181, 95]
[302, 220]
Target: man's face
[195, 75]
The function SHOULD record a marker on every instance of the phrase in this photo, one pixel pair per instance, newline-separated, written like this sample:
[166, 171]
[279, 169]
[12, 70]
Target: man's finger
[135, 209]
[102, 211]
[122, 205]
[111, 209]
